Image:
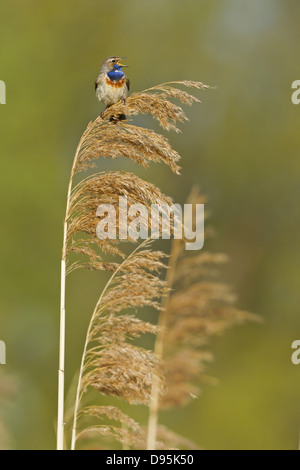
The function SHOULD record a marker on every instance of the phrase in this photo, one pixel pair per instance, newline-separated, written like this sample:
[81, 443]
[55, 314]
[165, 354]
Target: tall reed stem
[62, 331]
[159, 346]
[62, 328]
[60, 409]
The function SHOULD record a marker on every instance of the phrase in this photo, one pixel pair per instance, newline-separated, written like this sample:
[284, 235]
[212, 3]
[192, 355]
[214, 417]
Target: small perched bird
[112, 85]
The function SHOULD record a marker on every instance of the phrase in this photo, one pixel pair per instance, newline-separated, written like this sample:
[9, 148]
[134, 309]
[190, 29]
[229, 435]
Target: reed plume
[110, 363]
[195, 308]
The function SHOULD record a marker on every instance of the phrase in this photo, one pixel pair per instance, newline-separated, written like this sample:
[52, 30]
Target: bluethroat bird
[112, 85]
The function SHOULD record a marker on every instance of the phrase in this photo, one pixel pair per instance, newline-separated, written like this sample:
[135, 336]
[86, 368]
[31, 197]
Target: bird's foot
[117, 117]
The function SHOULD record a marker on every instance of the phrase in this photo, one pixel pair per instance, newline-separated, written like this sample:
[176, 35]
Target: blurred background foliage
[241, 146]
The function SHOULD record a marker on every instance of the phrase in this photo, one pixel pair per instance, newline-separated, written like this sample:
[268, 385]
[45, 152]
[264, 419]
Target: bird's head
[112, 63]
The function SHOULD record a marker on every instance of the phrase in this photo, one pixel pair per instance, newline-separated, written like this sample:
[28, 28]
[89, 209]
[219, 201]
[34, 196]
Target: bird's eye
[113, 61]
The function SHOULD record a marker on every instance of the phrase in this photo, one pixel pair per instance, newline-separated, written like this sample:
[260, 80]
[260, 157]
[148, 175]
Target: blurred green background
[241, 146]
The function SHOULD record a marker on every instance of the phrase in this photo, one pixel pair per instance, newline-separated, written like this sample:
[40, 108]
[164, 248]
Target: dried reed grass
[192, 307]
[111, 364]
[195, 308]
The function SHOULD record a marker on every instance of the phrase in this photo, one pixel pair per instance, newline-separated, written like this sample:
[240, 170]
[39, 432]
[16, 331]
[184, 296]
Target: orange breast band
[115, 83]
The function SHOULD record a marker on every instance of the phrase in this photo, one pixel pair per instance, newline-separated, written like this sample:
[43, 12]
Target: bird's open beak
[120, 62]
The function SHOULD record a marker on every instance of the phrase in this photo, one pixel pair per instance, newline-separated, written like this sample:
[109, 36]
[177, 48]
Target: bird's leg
[101, 115]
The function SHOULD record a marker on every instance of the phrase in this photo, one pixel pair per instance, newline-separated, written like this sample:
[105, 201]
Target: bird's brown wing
[128, 84]
[96, 83]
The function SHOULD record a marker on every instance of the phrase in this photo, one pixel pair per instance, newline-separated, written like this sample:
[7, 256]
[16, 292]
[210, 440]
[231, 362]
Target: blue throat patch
[116, 73]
